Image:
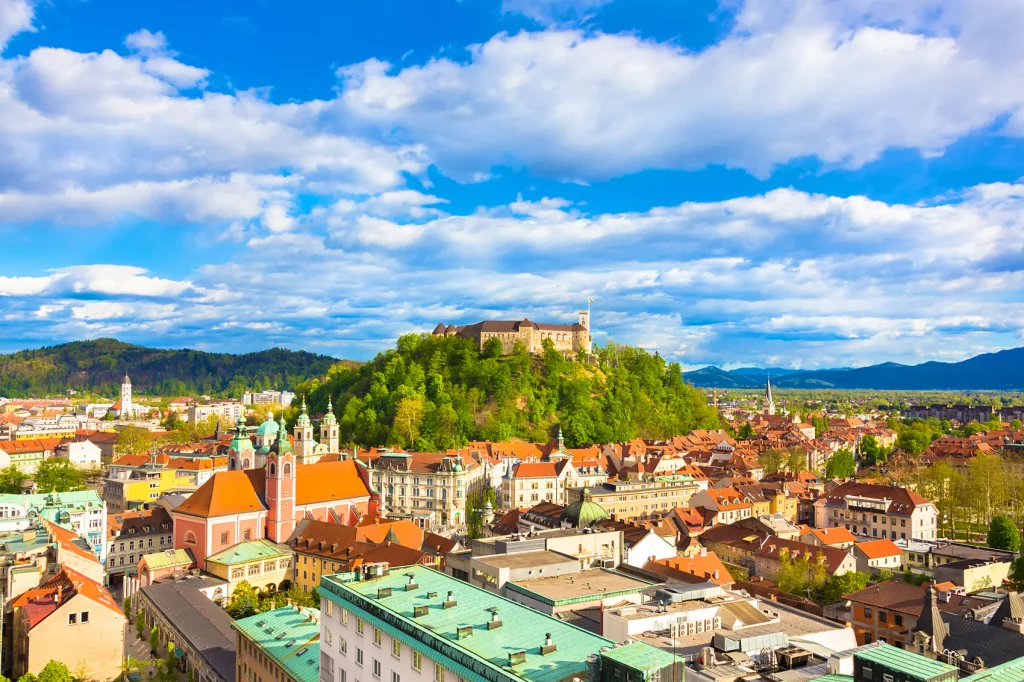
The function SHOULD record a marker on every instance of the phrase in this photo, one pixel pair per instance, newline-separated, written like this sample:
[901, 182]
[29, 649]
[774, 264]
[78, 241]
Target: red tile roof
[876, 549]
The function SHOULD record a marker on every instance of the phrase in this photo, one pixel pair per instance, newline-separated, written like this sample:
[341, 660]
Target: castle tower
[241, 453]
[769, 403]
[304, 443]
[329, 428]
[280, 493]
[127, 409]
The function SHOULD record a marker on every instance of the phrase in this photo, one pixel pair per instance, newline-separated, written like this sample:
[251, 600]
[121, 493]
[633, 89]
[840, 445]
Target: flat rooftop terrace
[525, 559]
[584, 586]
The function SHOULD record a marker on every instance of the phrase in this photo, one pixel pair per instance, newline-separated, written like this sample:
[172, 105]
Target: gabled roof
[227, 492]
[695, 568]
[773, 547]
[830, 536]
[876, 549]
[40, 602]
[535, 470]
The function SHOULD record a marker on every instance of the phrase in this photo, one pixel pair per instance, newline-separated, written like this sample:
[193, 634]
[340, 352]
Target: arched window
[232, 463]
[273, 468]
[190, 538]
[287, 469]
[245, 463]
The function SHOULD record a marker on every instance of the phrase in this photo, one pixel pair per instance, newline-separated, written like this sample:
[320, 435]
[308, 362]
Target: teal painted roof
[290, 637]
[833, 678]
[78, 500]
[269, 427]
[245, 552]
[1011, 671]
[168, 558]
[485, 653]
[915, 665]
[640, 656]
[584, 512]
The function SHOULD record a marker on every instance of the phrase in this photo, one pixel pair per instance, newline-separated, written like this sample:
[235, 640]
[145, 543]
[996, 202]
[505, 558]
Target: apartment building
[528, 483]
[83, 511]
[227, 411]
[412, 624]
[427, 488]
[281, 645]
[873, 512]
[133, 534]
[639, 499]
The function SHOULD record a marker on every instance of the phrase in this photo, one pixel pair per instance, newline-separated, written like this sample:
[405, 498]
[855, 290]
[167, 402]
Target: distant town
[189, 538]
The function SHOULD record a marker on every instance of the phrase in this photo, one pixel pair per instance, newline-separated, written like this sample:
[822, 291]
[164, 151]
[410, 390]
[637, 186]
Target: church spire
[769, 402]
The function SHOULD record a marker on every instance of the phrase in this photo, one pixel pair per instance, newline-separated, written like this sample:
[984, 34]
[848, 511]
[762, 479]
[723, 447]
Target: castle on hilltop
[568, 338]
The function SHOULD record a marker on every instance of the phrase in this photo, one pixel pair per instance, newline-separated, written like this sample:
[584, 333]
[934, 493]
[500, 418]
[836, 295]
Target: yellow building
[263, 564]
[135, 488]
[70, 619]
[628, 500]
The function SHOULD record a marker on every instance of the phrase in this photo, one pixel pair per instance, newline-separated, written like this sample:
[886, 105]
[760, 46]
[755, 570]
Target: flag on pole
[590, 300]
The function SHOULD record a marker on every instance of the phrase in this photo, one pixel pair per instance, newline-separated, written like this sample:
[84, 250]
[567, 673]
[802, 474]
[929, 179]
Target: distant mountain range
[98, 367]
[1003, 370]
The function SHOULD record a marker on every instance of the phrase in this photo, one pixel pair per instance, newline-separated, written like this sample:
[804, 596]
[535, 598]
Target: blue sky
[802, 183]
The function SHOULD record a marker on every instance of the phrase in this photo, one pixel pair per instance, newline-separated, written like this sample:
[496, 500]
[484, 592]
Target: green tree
[58, 475]
[140, 624]
[745, 431]
[796, 461]
[126, 607]
[243, 602]
[55, 671]
[28, 677]
[833, 589]
[1017, 573]
[841, 464]
[132, 440]
[772, 460]
[869, 449]
[820, 425]
[913, 441]
[493, 348]
[1003, 534]
[154, 640]
[11, 480]
[1015, 425]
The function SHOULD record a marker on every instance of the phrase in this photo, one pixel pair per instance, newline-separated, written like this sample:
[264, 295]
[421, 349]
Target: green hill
[98, 367]
[434, 393]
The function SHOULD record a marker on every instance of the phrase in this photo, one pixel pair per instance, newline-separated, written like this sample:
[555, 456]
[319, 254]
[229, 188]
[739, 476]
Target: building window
[343, 646]
[438, 673]
[247, 534]
[359, 625]
[396, 647]
[72, 619]
[867, 612]
[417, 660]
[344, 617]
[359, 656]
[395, 677]
[223, 538]
[376, 636]
[376, 668]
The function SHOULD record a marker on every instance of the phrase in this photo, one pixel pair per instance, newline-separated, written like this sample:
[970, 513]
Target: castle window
[287, 469]
[273, 468]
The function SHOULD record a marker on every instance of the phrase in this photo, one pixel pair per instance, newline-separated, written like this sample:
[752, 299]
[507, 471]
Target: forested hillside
[433, 393]
[98, 367]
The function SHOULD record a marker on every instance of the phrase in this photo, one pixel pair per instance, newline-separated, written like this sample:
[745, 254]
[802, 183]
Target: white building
[284, 398]
[652, 547]
[227, 411]
[877, 512]
[82, 454]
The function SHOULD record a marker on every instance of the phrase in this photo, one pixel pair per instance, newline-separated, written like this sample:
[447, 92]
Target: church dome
[585, 512]
[269, 427]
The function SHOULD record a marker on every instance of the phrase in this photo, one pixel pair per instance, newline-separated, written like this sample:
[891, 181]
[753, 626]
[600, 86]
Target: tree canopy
[1003, 534]
[57, 475]
[841, 464]
[434, 393]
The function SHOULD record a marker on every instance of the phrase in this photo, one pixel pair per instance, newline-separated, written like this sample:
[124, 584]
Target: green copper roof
[298, 650]
[240, 442]
[269, 427]
[833, 678]
[245, 552]
[282, 445]
[914, 665]
[584, 512]
[640, 656]
[329, 417]
[479, 653]
[1011, 671]
[168, 558]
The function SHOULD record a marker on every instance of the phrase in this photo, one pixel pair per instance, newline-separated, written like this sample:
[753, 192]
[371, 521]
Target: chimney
[549, 645]
[703, 551]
